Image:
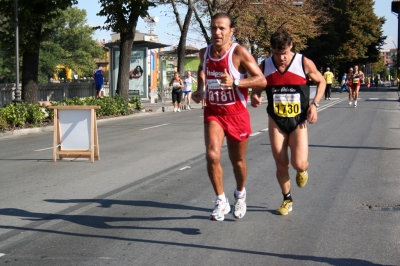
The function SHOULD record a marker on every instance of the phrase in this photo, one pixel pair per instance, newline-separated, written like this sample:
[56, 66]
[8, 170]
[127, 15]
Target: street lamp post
[151, 24]
[17, 89]
[396, 9]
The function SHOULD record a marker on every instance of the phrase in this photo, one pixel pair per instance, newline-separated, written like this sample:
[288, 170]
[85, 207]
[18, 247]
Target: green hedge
[17, 115]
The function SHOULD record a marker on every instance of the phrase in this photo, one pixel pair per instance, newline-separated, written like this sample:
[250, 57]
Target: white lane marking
[377, 99]
[255, 134]
[185, 167]
[390, 111]
[265, 129]
[154, 126]
[2, 254]
[44, 149]
[325, 106]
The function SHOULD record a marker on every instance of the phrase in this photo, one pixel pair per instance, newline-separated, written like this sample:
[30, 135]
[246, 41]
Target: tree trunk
[30, 69]
[182, 41]
[126, 39]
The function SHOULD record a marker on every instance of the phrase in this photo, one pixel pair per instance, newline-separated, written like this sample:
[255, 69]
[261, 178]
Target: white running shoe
[239, 208]
[221, 208]
[175, 109]
[350, 103]
[188, 107]
[355, 104]
[179, 109]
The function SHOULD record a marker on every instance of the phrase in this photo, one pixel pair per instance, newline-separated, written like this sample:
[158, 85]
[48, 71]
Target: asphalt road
[147, 201]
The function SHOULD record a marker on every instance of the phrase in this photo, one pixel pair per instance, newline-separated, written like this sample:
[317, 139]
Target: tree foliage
[353, 36]
[122, 16]
[33, 15]
[184, 29]
[257, 21]
[70, 44]
[7, 64]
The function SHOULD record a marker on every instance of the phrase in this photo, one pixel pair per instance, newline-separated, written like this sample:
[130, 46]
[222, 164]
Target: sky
[168, 31]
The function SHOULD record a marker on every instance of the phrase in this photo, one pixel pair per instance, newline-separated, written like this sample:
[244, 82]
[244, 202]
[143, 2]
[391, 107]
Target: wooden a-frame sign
[75, 132]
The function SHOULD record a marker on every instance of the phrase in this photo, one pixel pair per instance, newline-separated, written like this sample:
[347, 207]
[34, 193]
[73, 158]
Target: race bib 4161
[218, 95]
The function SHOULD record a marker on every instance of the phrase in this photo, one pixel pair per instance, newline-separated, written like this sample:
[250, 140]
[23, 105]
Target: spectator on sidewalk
[187, 89]
[343, 85]
[329, 78]
[98, 77]
[376, 81]
[177, 84]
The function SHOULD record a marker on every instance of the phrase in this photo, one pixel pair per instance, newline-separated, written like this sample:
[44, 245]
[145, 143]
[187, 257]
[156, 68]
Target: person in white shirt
[187, 89]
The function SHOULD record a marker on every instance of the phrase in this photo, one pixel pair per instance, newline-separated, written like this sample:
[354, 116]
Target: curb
[145, 111]
[25, 131]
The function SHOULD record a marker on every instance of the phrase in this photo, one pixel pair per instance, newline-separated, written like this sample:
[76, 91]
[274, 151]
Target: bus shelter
[144, 66]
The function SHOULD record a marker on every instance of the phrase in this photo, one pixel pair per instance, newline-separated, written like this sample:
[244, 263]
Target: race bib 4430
[287, 105]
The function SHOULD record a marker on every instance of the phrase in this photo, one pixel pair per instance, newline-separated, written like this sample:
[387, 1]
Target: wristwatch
[236, 82]
[316, 104]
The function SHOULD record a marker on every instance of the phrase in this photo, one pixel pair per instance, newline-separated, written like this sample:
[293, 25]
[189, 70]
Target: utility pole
[17, 89]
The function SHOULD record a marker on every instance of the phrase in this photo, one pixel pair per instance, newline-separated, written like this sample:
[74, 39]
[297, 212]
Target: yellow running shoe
[285, 208]
[301, 178]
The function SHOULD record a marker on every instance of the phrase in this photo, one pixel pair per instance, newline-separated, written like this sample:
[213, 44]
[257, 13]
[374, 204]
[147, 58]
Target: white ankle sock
[221, 197]
[240, 194]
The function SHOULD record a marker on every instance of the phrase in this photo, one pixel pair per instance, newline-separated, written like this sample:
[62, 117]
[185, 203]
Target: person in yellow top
[329, 78]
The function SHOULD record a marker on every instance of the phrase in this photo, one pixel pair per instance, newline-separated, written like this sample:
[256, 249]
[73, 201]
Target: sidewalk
[147, 107]
[165, 105]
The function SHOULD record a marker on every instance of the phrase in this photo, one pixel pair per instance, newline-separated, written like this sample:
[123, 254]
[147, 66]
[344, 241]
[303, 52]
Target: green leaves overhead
[354, 35]
[70, 44]
[120, 14]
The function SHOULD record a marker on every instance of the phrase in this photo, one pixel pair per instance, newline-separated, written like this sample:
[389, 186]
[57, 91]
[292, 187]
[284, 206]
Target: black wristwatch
[316, 104]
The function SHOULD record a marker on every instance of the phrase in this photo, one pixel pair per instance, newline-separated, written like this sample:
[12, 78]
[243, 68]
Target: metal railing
[53, 91]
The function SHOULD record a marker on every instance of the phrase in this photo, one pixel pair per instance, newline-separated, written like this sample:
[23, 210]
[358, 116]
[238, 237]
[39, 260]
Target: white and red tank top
[356, 78]
[287, 92]
[223, 100]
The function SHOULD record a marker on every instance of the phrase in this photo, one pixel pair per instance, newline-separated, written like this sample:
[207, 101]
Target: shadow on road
[296, 258]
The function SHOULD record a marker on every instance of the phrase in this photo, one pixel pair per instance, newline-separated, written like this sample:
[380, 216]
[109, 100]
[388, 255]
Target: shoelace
[285, 203]
[240, 205]
[218, 204]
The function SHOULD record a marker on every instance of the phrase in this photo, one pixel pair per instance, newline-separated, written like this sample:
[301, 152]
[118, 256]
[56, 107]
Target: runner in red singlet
[350, 84]
[357, 77]
[222, 72]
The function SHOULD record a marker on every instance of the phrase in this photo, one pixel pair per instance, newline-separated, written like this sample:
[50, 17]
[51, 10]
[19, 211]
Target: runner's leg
[298, 143]
[356, 93]
[279, 146]
[214, 137]
[237, 155]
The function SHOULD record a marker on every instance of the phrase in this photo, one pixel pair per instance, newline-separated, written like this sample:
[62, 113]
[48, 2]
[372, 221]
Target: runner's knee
[300, 166]
[213, 155]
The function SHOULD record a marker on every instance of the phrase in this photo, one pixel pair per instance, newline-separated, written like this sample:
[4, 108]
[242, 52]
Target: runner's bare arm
[197, 95]
[313, 73]
[255, 97]
[245, 63]
[316, 76]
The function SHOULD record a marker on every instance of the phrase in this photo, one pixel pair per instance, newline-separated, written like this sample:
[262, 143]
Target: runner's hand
[312, 114]
[226, 79]
[197, 96]
[255, 100]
